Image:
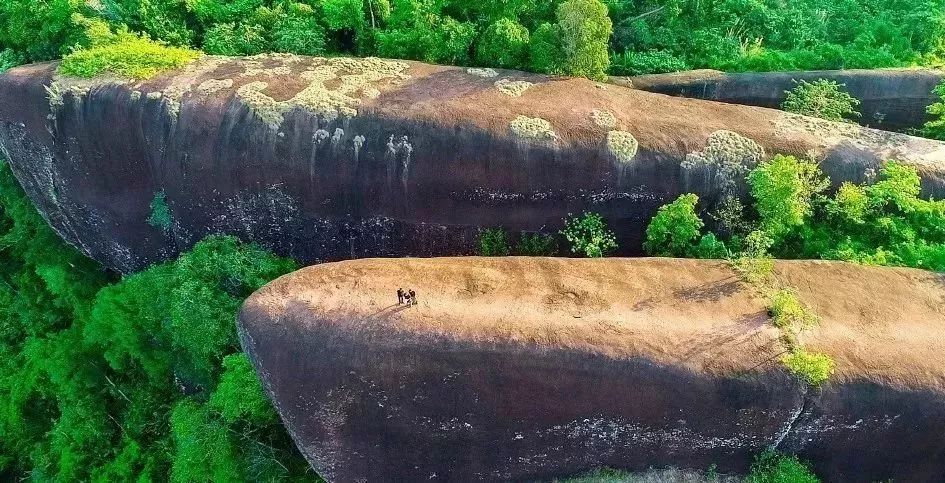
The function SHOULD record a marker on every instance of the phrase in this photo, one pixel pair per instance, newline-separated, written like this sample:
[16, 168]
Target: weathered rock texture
[531, 368]
[892, 99]
[328, 159]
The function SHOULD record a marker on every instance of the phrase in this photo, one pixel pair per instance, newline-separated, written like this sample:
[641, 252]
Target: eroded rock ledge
[328, 159]
[531, 368]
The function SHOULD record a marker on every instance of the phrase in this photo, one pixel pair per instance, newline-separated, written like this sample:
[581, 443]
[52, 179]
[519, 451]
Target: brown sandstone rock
[534, 368]
[328, 159]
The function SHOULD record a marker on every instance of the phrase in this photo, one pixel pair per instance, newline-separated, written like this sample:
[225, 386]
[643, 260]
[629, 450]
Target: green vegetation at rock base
[588, 235]
[109, 379]
[768, 467]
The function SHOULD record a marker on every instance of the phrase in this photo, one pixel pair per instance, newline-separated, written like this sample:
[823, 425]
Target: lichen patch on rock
[354, 80]
[727, 156]
[183, 82]
[727, 148]
[77, 87]
[895, 145]
[213, 86]
[486, 72]
[622, 146]
[533, 129]
[512, 88]
[604, 118]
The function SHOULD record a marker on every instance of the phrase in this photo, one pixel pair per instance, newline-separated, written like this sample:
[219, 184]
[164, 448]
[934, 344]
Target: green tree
[589, 235]
[783, 189]
[674, 229]
[821, 98]
[212, 12]
[295, 30]
[503, 44]
[545, 53]
[584, 29]
[418, 30]
[39, 29]
[132, 380]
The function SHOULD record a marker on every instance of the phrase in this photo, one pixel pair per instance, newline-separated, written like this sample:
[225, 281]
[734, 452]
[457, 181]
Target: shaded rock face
[530, 369]
[329, 159]
[891, 99]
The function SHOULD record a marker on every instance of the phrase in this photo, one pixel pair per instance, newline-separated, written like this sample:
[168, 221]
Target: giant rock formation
[523, 369]
[328, 159]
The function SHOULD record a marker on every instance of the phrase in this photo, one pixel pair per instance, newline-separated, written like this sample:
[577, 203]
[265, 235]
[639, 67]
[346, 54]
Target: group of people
[408, 297]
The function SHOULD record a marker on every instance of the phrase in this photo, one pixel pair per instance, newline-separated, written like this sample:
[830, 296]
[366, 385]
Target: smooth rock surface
[534, 368]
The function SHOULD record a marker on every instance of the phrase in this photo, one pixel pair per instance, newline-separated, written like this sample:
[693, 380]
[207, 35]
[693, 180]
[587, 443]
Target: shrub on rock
[822, 98]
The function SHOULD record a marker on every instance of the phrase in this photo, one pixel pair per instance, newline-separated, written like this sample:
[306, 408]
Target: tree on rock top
[585, 30]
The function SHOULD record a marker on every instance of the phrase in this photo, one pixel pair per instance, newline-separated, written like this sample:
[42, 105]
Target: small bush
[674, 229]
[787, 311]
[493, 242]
[125, 55]
[812, 367]
[9, 59]
[754, 263]
[589, 235]
[710, 247]
[935, 128]
[544, 51]
[821, 98]
[536, 245]
[160, 212]
[772, 467]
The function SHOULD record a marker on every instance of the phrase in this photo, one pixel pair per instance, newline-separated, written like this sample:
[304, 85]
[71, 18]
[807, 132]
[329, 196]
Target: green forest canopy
[579, 37]
[138, 378]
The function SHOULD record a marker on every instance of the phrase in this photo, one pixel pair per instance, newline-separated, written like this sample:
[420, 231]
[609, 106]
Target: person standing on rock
[413, 296]
[407, 298]
[400, 296]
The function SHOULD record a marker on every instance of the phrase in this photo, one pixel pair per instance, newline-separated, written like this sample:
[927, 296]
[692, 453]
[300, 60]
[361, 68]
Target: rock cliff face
[328, 159]
[522, 369]
[892, 99]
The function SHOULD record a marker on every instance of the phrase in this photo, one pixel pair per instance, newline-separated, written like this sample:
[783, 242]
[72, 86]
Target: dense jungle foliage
[579, 37]
[137, 378]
